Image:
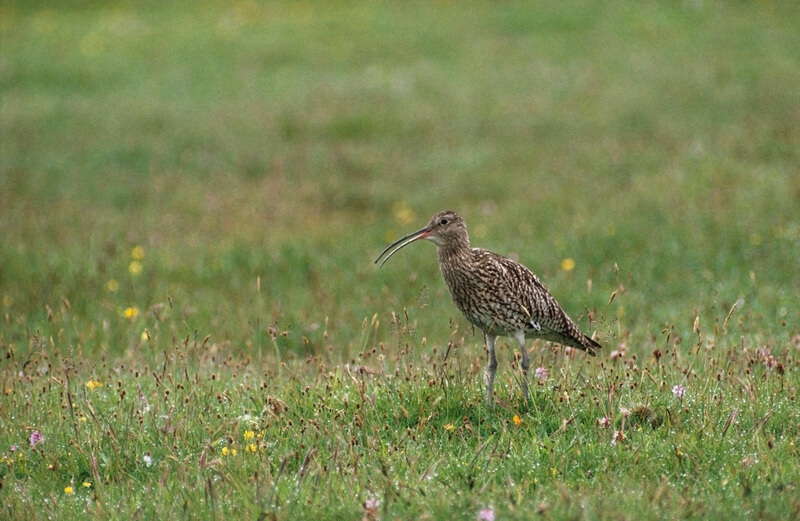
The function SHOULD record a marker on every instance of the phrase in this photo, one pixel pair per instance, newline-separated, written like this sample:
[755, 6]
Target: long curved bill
[402, 242]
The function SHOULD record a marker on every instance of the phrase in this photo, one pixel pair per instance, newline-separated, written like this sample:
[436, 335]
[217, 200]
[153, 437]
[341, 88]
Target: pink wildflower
[487, 514]
[371, 507]
[619, 353]
[541, 373]
[765, 354]
[678, 391]
[604, 422]
[36, 438]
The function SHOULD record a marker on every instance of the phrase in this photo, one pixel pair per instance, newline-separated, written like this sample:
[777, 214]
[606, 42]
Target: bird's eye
[443, 222]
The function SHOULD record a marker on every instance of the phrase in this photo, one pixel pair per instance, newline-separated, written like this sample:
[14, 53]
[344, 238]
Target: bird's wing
[533, 296]
[526, 302]
[511, 289]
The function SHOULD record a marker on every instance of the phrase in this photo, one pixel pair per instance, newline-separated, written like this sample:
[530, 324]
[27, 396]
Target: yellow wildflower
[517, 420]
[248, 435]
[137, 253]
[93, 384]
[112, 285]
[131, 313]
[449, 427]
[403, 214]
[87, 484]
[251, 448]
[135, 267]
[568, 264]
[227, 451]
[69, 490]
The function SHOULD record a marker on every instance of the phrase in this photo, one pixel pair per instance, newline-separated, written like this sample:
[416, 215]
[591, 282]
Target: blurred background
[231, 169]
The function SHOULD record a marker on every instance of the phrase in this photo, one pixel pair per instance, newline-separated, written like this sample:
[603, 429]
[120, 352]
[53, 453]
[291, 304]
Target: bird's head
[444, 229]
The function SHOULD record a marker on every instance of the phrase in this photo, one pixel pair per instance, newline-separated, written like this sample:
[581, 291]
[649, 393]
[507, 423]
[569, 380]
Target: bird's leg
[491, 369]
[526, 362]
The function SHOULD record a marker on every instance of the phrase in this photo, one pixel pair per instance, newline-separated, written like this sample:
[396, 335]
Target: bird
[500, 296]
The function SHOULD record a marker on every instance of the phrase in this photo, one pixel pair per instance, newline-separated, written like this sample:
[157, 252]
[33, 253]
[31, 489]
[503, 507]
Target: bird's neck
[455, 254]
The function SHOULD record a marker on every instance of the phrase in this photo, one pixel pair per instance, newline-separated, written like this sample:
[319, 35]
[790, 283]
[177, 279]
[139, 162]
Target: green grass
[191, 199]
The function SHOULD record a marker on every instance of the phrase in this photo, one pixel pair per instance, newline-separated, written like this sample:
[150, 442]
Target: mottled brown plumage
[500, 296]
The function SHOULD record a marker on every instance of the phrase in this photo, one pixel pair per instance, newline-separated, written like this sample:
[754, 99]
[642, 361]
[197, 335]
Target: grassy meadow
[192, 196]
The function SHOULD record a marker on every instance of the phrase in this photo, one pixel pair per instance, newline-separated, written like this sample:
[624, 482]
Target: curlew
[498, 295]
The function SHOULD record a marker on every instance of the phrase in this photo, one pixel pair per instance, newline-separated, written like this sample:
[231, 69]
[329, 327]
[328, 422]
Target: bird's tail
[577, 340]
[589, 345]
